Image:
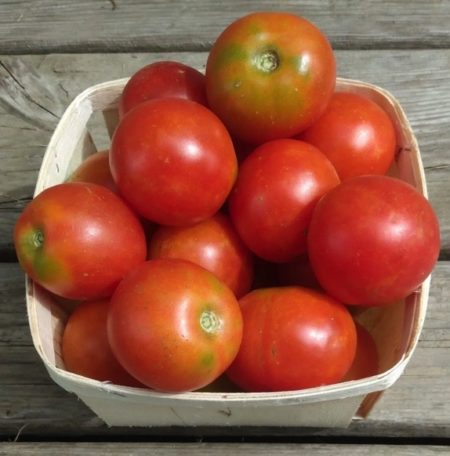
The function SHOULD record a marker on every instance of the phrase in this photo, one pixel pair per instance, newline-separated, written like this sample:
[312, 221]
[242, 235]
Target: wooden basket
[396, 328]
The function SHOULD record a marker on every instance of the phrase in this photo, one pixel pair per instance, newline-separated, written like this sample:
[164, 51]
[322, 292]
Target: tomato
[95, 169]
[366, 361]
[356, 135]
[272, 202]
[85, 346]
[78, 240]
[173, 161]
[174, 325]
[373, 240]
[213, 244]
[293, 338]
[160, 80]
[269, 75]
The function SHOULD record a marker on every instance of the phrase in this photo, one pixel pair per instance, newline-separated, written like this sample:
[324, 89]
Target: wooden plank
[131, 26]
[34, 91]
[209, 448]
[415, 407]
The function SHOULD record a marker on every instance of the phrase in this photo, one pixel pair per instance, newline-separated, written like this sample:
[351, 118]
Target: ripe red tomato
[373, 240]
[272, 202]
[293, 338]
[85, 346]
[78, 240]
[356, 135]
[174, 325]
[366, 361]
[95, 169]
[173, 161]
[161, 80]
[269, 75]
[213, 244]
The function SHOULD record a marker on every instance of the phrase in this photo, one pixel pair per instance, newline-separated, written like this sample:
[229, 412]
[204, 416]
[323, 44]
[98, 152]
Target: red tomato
[78, 240]
[174, 325]
[355, 134]
[366, 362]
[85, 346]
[373, 240]
[213, 244]
[161, 80]
[269, 75]
[278, 185]
[95, 169]
[173, 161]
[293, 338]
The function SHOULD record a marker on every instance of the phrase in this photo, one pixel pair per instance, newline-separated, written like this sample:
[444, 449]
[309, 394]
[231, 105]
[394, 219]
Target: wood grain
[34, 90]
[129, 26]
[415, 407]
[209, 448]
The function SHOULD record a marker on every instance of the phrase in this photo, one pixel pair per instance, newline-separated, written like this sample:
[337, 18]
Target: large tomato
[174, 325]
[373, 240]
[173, 160]
[78, 240]
[213, 244]
[85, 346]
[356, 135]
[161, 80]
[293, 338]
[269, 75]
[272, 202]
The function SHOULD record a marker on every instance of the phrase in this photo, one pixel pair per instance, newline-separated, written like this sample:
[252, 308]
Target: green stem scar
[209, 321]
[37, 239]
[268, 61]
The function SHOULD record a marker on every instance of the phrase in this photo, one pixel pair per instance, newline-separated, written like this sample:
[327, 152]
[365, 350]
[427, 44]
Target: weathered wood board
[208, 448]
[415, 407]
[128, 26]
[35, 90]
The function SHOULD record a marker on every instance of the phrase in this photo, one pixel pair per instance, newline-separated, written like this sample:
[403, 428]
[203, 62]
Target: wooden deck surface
[50, 51]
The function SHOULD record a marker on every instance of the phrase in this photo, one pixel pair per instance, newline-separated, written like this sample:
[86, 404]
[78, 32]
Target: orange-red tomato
[269, 75]
[163, 79]
[78, 240]
[373, 240]
[293, 338]
[213, 244]
[95, 169]
[174, 325]
[173, 161]
[85, 347]
[355, 134]
[271, 205]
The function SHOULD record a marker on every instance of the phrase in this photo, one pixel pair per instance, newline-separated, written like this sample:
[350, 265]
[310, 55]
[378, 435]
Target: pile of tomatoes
[236, 219]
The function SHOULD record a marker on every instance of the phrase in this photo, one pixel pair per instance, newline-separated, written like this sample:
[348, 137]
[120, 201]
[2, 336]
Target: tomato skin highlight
[294, 338]
[78, 240]
[271, 205]
[212, 244]
[269, 75]
[85, 346]
[163, 79]
[356, 135]
[373, 240]
[173, 161]
[174, 325]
